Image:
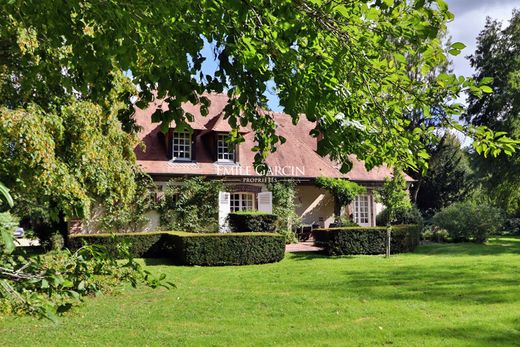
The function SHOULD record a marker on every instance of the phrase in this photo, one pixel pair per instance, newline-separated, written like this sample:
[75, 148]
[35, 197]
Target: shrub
[192, 248]
[252, 222]
[512, 226]
[435, 234]
[141, 245]
[394, 196]
[49, 285]
[467, 221]
[57, 242]
[359, 240]
[343, 222]
[410, 215]
[227, 248]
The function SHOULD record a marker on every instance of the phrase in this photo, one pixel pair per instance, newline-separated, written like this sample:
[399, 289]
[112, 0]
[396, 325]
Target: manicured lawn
[442, 295]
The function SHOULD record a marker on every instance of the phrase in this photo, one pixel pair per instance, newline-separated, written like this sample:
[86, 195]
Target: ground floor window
[242, 202]
[361, 210]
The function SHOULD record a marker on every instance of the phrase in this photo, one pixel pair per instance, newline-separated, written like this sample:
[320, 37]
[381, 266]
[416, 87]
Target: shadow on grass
[441, 277]
[302, 256]
[494, 246]
[159, 261]
[474, 335]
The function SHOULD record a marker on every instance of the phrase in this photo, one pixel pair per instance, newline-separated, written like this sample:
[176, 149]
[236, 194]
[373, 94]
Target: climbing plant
[344, 191]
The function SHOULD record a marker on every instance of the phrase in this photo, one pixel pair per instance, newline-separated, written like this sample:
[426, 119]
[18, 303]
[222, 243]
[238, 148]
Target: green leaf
[458, 45]
[486, 89]
[4, 192]
[454, 51]
[44, 284]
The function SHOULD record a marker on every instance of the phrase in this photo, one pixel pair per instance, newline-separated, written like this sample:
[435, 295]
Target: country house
[205, 152]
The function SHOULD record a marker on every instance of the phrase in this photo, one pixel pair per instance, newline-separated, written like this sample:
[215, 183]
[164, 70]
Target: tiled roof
[297, 157]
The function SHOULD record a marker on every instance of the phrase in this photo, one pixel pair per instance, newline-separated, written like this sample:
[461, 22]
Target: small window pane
[223, 151]
[181, 145]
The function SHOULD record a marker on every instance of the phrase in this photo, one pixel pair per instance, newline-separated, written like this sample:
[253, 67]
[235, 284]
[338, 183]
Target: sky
[470, 18]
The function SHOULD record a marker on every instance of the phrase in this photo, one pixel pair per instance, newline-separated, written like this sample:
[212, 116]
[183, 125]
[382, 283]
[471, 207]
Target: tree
[395, 197]
[343, 65]
[497, 61]
[64, 162]
[448, 178]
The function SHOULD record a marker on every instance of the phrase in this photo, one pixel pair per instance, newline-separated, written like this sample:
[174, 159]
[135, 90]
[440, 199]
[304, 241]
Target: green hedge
[228, 248]
[367, 240]
[142, 245]
[194, 249]
[252, 222]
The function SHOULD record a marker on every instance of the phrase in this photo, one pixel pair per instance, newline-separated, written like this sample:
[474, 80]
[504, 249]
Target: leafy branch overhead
[343, 65]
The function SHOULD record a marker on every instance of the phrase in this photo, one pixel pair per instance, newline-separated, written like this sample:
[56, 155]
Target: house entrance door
[362, 211]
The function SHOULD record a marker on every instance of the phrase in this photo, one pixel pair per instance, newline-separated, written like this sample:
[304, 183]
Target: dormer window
[181, 146]
[224, 152]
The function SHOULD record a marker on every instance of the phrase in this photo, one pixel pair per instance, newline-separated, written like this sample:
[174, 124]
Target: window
[242, 202]
[362, 210]
[224, 153]
[182, 145]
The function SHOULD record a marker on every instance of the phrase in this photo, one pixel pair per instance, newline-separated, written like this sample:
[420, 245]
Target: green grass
[442, 295]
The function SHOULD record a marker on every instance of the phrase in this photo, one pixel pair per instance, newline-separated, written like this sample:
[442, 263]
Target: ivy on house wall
[284, 206]
[190, 204]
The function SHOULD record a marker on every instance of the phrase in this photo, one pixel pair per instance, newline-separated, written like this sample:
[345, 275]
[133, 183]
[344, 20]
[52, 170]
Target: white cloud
[470, 18]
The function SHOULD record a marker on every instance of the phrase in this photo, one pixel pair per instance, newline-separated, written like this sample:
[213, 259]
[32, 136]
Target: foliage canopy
[344, 65]
[394, 195]
[497, 61]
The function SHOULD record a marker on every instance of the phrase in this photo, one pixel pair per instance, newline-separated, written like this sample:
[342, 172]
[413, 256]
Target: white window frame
[237, 201]
[224, 153]
[362, 210]
[181, 139]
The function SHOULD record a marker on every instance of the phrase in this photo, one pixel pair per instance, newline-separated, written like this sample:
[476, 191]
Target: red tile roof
[297, 157]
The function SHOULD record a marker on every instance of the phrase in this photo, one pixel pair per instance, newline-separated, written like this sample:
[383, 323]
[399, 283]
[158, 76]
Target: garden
[449, 294]
[375, 81]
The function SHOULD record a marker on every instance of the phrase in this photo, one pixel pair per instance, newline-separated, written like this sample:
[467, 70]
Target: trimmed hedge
[252, 222]
[192, 248]
[142, 245]
[227, 248]
[367, 240]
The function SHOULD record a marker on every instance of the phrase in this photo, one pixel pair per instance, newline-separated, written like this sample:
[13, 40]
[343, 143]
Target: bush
[343, 222]
[512, 226]
[141, 245]
[289, 235]
[467, 221]
[57, 242]
[193, 248]
[227, 248]
[410, 215]
[252, 222]
[47, 286]
[435, 234]
[359, 240]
